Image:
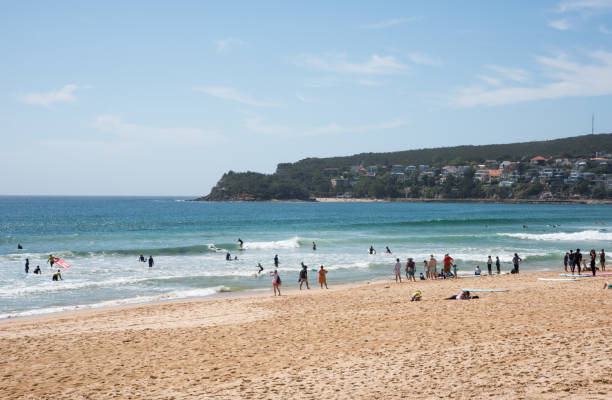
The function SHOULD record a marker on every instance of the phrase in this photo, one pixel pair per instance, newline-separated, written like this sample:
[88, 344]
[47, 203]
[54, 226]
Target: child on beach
[477, 270]
[416, 296]
[276, 282]
[455, 271]
[322, 277]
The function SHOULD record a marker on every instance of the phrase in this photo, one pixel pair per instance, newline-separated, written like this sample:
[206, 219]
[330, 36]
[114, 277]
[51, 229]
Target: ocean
[102, 238]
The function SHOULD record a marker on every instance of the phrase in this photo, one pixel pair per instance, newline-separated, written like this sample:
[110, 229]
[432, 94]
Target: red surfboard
[61, 263]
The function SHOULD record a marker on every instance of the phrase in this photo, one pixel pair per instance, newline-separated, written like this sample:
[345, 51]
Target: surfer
[27, 265]
[314, 246]
[323, 277]
[57, 276]
[498, 265]
[372, 251]
[19, 247]
[416, 296]
[516, 260]
[228, 256]
[276, 261]
[304, 276]
[398, 270]
[141, 258]
[602, 260]
[276, 282]
[241, 243]
[37, 270]
[388, 250]
[260, 268]
[151, 262]
[525, 226]
[51, 260]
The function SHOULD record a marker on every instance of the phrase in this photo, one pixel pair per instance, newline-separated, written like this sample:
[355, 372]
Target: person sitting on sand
[477, 270]
[464, 295]
[397, 269]
[304, 276]
[422, 277]
[323, 277]
[416, 296]
[276, 282]
[57, 276]
[37, 270]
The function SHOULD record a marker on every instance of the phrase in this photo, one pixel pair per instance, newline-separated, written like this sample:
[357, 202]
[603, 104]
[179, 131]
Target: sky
[162, 98]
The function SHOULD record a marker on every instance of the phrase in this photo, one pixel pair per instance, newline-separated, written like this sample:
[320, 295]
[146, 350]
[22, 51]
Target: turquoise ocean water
[102, 237]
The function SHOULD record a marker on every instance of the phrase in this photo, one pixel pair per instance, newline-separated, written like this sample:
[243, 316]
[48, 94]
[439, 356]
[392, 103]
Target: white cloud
[567, 79]
[257, 124]
[335, 62]
[513, 74]
[224, 45]
[560, 24]
[582, 5]
[605, 30]
[63, 95]
[489, 80]
[114, 124]
[420, 58]
[228, 93]
[303, 99]
[392, 22]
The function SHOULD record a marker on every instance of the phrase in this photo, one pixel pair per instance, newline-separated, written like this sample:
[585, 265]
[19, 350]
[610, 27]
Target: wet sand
[539, 340]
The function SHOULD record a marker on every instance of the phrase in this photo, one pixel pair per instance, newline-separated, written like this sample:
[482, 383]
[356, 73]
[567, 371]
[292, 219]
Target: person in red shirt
[448, 260]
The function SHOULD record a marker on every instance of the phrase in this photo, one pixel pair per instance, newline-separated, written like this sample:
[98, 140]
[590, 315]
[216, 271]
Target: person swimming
[388, 250]
[141, 258]
[19, 247]
[240, 242]
[228, 256]
[57, 276]
[37, 270]
[260, 268]
[314, 246]
[372, 251]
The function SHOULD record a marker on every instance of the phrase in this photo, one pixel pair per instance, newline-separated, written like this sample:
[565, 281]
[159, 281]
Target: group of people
[302, 279]
[575, 260]
[150, 260]
[57, 276]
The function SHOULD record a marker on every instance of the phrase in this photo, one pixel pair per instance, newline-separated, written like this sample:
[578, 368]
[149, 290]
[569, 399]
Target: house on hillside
[491, 164]
[539, 160]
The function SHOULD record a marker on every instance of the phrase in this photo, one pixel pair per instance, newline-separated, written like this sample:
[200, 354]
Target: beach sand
[540, 340]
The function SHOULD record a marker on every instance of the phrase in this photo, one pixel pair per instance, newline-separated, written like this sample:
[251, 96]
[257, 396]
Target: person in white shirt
[398, 270]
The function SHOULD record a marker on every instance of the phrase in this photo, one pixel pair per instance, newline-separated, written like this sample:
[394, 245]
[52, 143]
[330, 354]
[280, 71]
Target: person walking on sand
[398, 270]
[432, 267]
[27, 265]
[323, 277]
[304, 276]
[593, 254]
[151, 262]
[276, 282]
[448, 261]
[516, 261]
[276, 261]
[410, 270]
[489, 265]
[498, 265]
[602, 260]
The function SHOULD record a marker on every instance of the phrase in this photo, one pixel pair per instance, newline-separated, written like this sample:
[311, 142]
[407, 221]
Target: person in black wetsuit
[498, 265]
[372, 251]
[151, 262]
[260, 268]
[228, 256]
[57, 276]
[593, 254]
[241, 243]
[37, 270]
[314, 246]
[141, 258]
[577, 261]
[27, 265]
[276, 261]
[19, 247]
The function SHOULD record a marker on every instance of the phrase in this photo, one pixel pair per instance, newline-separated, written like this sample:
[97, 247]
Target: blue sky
[161, 98]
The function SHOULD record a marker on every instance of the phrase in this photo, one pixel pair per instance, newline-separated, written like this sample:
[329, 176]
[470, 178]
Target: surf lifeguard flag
[61, 262]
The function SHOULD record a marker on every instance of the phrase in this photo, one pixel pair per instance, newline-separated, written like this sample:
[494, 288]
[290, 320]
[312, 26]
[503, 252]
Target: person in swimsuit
[314, 246]
[228, 256]
[397, 268]
[489, 265]
[432, 267]
[141, 258]
[241, 243]
[498, 265]
[593, 261]
[372, 251]
[323, 277]
[276, 282]
[602, 260]
[565, 261]
[151, 262]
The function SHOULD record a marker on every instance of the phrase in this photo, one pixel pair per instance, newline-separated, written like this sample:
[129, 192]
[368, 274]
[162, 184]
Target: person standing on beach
[410, 270]
[398, 270]
[432, 267]
[498, 265]
[565, 261]
[577, 260]
[304, 276]
[448, 261]
[489, 264]
[323, 277]
[276, 261]
[151, 262]
[27, 265]
[516, 261]
[593, 254]
[426, 269]
[602, 260]
[276, 282]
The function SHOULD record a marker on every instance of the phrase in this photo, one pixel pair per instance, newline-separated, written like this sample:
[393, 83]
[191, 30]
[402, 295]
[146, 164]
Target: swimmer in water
[372, 251]
[388, 250]
[37, 270]
[240, 242]
[314, 246]
[141, 258]
[228, 256]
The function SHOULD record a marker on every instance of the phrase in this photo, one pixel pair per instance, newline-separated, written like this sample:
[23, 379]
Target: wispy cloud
[228, 93]
[489, 80]
[337, 62]
[566, 79]
[257, 124]
[114, 124]
[603, 29]
[392, 22]
[63, 95]
[509, 73]
[582, 5]
[303, 99]
[423, 59]
[224, 45]
[560, 24]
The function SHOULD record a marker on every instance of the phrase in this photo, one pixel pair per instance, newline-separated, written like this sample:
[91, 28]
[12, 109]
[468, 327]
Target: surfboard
[558, 279]
[484, 290]
[576, 276]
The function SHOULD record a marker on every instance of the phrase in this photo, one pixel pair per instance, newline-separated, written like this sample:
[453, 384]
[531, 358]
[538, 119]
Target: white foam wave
[184, 294]
[589, 235]
[292, 243]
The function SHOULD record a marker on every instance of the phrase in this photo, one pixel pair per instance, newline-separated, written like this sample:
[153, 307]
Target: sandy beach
[539, 340]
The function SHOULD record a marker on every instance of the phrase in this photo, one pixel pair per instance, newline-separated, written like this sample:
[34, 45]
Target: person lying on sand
[464, 295]
[607, 285]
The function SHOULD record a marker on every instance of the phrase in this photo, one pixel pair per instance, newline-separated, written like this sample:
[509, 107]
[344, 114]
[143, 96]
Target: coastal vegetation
[578, 167]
